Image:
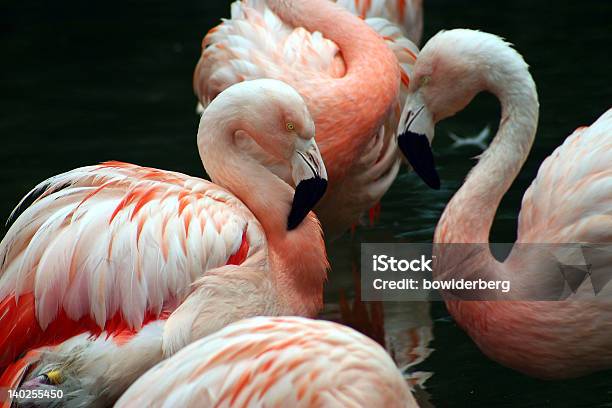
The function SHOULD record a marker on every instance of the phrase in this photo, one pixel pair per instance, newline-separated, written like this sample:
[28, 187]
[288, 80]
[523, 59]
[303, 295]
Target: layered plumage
[275, 362]
[109, 249]
[407, 14]
[570, 200]
[115, 239]
[348, 74]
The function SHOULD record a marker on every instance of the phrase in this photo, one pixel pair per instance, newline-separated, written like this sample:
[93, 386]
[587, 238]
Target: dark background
[83, 82]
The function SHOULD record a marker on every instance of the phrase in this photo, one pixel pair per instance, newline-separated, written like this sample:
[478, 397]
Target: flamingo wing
[111, 247]
[281, 361]
[256, 43]
[571, 198]
[407, 14]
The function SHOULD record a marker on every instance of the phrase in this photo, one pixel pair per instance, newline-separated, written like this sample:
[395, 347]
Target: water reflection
[404, 329]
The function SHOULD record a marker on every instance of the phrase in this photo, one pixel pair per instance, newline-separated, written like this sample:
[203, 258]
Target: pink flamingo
[275, 362]
[348, 74]
[569, 201]
[113, 250]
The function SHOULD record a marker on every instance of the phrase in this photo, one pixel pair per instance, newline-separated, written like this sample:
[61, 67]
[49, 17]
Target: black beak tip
[417, 150]
[307, 195]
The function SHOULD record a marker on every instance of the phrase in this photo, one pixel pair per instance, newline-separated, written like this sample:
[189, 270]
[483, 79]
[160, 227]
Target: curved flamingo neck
[470, 213]
[361, 98]
[297, 258]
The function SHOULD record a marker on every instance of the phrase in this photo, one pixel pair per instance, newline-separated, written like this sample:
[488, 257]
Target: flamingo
[147, 260]
[350, 75]
[570, 201]
[275, 362]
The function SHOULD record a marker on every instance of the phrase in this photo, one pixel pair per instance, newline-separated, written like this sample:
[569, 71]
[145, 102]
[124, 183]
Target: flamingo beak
[414, 137]
[310, 178]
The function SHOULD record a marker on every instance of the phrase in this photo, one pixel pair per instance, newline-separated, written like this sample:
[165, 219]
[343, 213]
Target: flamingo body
[275, 362]
[570, 200]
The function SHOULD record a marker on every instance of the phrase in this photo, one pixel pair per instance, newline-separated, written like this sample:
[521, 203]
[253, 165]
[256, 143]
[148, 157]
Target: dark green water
[86, 82]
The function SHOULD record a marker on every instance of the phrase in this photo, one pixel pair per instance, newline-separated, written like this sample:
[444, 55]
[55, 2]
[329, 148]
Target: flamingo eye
[290, 126]
[425, 80]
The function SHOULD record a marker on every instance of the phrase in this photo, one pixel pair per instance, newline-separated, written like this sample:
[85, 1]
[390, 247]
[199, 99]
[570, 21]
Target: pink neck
[348, 111]
[470, 213]
[300, 266]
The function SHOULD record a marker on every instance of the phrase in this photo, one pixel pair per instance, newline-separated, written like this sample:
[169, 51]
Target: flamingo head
[272, 125]
[452, 68]
[287, 133]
